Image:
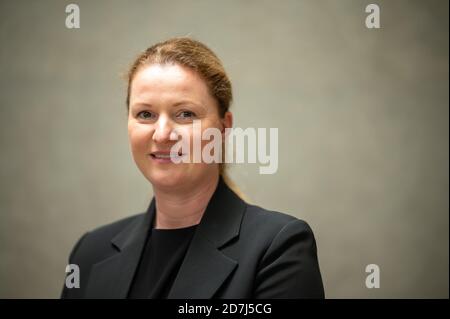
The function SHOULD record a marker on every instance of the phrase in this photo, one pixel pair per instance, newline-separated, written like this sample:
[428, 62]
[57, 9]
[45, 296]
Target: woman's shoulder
[259, 213]
[112, 228]
[271, 223]
[97, 242]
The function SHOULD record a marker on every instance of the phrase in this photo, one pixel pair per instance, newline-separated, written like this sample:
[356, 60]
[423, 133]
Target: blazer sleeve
[289, 268]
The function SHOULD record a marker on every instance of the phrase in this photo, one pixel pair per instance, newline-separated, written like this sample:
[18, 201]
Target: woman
[198, 238]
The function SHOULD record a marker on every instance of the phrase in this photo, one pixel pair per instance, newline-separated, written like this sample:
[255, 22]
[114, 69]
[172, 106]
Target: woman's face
[166, 98]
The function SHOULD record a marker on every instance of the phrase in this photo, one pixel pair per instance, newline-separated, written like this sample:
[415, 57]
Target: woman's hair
[198, 57]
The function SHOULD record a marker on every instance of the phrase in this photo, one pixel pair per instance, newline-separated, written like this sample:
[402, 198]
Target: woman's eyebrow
[138, 104]
[184, 102]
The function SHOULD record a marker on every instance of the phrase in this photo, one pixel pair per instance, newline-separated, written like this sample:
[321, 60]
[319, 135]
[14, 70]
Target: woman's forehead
[168, 81]
[167, 76]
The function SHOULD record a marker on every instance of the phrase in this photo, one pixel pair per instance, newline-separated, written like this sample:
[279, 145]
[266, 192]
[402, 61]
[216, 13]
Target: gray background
[362, 117]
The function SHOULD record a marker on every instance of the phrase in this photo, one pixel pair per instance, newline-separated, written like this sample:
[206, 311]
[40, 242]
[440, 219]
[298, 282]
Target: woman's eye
[186, 114]
[145, 115]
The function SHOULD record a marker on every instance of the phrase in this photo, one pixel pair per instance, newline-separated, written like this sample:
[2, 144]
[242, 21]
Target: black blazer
[238, 251]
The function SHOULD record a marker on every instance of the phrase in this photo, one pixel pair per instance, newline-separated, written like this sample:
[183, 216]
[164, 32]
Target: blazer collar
[204, 267]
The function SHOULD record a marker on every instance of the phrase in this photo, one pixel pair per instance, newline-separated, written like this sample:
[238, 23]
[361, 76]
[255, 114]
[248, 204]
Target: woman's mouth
[166, 157]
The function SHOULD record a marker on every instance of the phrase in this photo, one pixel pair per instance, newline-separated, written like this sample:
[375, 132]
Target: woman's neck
[185, 208]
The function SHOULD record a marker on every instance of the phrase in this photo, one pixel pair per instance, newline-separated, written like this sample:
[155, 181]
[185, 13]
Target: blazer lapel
[111, 278]
[205, 267]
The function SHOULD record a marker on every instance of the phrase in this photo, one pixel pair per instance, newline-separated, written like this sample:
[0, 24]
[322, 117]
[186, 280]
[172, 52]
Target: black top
[161, 259]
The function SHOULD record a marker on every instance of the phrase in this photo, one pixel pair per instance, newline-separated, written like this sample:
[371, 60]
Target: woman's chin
[166, 180]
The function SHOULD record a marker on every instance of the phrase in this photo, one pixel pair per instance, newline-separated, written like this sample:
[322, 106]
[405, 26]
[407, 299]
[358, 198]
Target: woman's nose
[163, 128]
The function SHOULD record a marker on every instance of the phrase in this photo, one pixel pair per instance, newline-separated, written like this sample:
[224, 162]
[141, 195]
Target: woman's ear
[227, 121]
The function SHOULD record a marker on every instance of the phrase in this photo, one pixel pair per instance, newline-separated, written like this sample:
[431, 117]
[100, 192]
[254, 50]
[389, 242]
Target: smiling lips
[165, 156]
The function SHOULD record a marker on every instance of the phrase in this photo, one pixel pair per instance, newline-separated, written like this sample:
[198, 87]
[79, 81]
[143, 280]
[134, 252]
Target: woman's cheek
[139, 136]
[184, 133]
